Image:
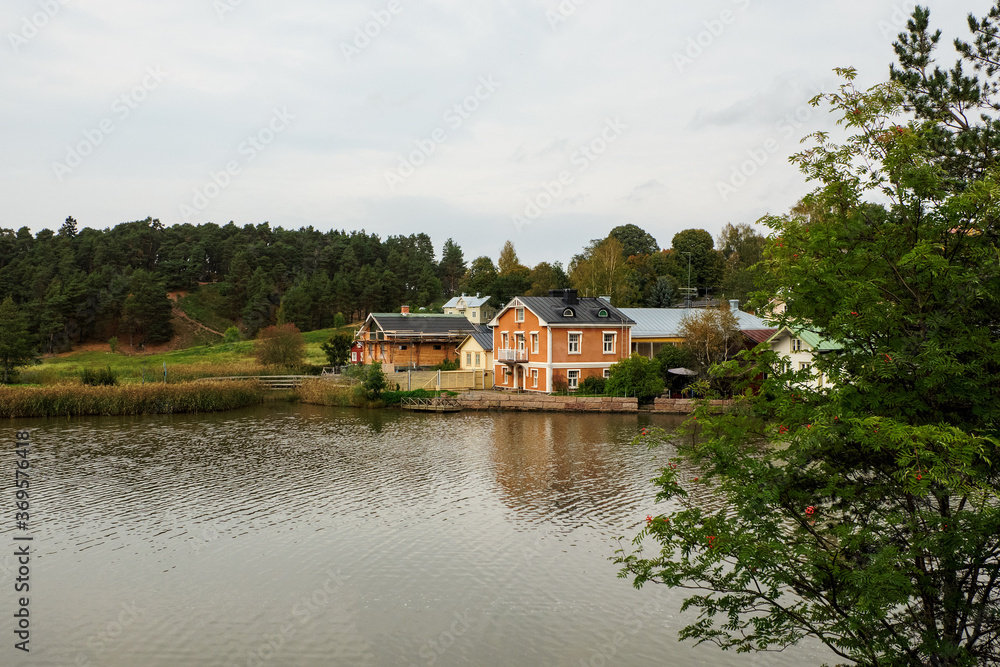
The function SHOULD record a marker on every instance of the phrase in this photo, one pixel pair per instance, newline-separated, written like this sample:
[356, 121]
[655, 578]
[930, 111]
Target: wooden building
[412, 341]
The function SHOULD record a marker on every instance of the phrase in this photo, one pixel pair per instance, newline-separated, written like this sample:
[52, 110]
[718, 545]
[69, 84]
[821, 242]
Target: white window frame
[573, 382]
[534, 342]
[504, 340]
[805, 365]
[473, 314]
[796, 345]
[614, 342]
[468, 358]
[519, 314]
[534, 378]
[478, 359]
[505, 373]
[569, 342]
[607, 373]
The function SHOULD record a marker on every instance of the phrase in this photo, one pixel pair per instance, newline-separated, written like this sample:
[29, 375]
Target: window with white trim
[607, 373]
[503, 341]
[609, 343]
[477, 359]
[519, 314]
[468, 358]
[504, 375]
[573, 379]
[574, 343]
[796, 344]
[534, 343]
[534, 377]
[473, 314]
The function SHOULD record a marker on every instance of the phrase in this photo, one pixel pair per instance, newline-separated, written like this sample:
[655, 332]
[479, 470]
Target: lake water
[299, 535]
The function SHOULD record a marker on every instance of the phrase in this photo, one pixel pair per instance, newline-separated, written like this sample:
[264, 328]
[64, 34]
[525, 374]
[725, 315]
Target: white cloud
[687, 129]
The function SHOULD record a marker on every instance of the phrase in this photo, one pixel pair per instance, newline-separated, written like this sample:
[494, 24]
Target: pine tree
[16, 345]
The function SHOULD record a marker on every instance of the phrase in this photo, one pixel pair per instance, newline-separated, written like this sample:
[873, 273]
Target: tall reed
[130, 399]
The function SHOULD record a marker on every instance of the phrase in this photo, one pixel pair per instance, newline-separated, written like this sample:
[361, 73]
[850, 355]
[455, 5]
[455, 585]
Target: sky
[542, 122]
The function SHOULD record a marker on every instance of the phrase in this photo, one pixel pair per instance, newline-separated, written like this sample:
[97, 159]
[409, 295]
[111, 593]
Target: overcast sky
[545, 122]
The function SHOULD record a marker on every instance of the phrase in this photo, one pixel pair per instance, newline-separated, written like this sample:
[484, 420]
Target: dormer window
[569, 313]
[602, 313]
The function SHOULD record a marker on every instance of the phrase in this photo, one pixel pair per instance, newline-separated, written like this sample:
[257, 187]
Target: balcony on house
[512, 356]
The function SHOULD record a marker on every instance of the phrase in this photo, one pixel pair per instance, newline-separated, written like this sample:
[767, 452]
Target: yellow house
[475, 353]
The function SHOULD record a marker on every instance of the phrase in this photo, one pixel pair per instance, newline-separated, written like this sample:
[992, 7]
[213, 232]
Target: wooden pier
[441, 404]
[270, 381]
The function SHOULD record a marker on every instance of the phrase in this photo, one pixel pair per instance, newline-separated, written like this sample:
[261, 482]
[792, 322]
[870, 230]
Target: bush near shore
[323, 392]
[130, 399]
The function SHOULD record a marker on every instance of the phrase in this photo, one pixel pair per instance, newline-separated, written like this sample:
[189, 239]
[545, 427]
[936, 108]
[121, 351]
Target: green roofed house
[406, 340]
[800, 347]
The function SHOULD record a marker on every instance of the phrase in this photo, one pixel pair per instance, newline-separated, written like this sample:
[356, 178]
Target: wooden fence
[441, 380]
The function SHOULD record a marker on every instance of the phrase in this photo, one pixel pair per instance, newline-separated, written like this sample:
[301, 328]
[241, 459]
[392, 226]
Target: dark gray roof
[550, 309]
[484, 336]
[414, 325]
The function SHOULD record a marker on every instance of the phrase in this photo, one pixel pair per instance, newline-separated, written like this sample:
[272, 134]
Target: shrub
[593, 385]
[232, 335]
[636, 376]
[447, 365]
[280, 346]
[113, 344]
[375, 382]
[560, 385]
[339, 321]
[100, 377]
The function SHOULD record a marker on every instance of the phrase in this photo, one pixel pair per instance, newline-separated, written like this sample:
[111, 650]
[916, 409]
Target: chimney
[570, 297]
[558, 293]
[404, 310]
[734, 305]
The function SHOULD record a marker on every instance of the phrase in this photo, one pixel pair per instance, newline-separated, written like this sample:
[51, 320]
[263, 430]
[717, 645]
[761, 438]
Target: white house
[799, 348]
[474, 308]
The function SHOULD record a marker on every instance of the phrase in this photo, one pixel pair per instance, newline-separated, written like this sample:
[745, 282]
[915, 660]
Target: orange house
[541, 342]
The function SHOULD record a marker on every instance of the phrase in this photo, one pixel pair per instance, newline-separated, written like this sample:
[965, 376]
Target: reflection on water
[296, 535]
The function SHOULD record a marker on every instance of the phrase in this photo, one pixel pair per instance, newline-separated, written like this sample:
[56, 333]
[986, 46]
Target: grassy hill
[197, 361]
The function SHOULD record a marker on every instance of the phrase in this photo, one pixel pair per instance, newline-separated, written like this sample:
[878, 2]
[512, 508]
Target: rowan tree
[864, 514]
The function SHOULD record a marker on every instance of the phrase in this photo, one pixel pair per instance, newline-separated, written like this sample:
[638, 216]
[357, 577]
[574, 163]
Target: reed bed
[130, 399]
[322, 392]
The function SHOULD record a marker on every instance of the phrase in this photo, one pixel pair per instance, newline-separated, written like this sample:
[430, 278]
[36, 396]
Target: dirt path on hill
[175, 297]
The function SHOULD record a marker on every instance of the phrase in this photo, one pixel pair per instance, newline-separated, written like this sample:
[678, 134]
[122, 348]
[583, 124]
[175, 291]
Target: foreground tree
[864, 514]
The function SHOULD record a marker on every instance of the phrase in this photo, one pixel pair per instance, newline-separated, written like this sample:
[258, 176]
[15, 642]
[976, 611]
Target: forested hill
[76, 285]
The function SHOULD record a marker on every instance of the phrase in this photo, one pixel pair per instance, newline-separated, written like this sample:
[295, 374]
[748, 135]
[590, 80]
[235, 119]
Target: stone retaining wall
[495, 400]
[684, 406]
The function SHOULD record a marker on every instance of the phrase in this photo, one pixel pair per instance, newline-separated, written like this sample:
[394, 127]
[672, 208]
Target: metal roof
[759, 335]
[417, 324]
[551, 308]
[812, 338]
[666, 322]
[484, 336]
[470, 301]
